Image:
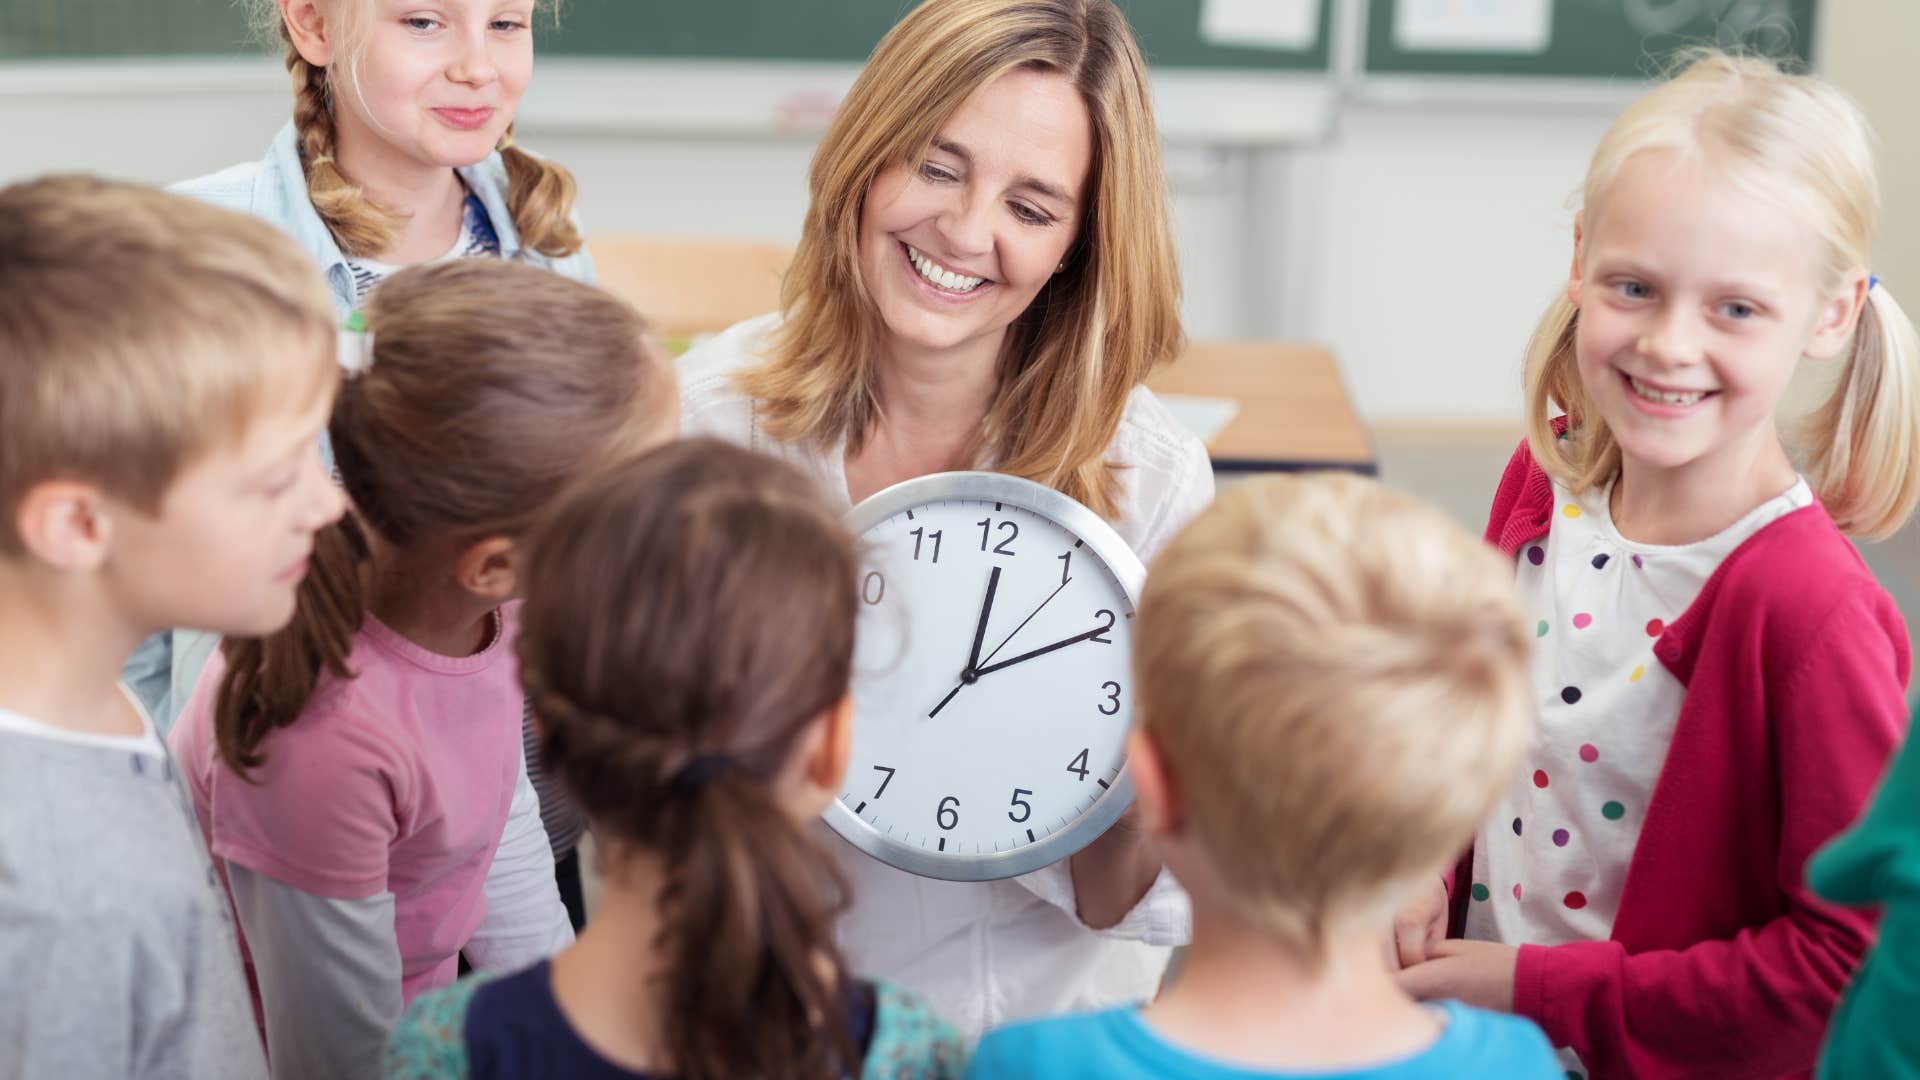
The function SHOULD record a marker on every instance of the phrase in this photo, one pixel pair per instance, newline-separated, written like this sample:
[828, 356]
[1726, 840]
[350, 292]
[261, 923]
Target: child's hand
[1477, 973]
[1421, 925]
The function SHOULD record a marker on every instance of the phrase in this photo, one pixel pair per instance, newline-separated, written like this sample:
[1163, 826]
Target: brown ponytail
[689, 615]
[540, 193]
[493, 386]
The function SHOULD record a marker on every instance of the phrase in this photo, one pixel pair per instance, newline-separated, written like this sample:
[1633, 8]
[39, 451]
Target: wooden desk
[1294, 412]
[691, 287]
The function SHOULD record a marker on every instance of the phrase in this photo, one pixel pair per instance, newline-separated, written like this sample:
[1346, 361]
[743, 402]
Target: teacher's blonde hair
[1092, 335]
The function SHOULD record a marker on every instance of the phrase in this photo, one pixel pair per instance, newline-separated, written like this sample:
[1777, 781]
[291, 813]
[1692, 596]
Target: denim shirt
[275, 188]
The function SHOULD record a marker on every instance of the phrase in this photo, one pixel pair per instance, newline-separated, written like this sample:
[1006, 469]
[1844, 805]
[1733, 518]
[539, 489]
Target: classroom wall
[1421, 239]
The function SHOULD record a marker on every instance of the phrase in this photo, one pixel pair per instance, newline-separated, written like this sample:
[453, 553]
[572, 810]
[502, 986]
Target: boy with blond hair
[166, 369]
[1332, 690]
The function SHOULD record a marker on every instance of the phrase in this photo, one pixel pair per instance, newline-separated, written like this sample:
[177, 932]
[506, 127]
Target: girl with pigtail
[401, 147]
[1719, 679]
[687, 641]
[360, 775]
[400, 151]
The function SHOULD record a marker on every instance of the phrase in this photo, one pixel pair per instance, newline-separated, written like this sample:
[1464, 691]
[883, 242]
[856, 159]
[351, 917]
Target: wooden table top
[1293, 407]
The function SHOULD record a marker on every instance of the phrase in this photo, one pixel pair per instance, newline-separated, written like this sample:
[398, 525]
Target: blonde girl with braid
[359, 775]
[401, 150]
[687, 642]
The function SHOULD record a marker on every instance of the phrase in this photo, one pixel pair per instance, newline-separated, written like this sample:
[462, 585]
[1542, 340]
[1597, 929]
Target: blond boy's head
[139, 331]
[1333, 682]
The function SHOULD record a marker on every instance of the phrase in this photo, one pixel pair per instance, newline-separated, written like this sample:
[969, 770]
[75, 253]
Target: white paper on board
[1292, 25]
[1206, 417]
[1490, 26]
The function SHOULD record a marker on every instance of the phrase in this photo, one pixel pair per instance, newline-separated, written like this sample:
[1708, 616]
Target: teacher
[984, 280]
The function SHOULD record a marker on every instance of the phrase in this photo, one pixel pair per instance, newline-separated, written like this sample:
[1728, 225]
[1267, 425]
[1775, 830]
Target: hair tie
[354, 346]
[695, 775]
[323, 159]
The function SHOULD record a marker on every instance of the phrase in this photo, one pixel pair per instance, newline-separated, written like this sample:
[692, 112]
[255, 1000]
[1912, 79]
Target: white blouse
[986, 953]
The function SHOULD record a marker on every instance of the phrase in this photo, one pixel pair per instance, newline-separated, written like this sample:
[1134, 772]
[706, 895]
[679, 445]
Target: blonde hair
[1090, 337]
[540, 193]
[1805, 147]
[140, 331]
[1335, 676]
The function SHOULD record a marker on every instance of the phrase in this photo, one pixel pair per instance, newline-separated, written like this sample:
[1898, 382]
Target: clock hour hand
[968, 674]
[1044, 650]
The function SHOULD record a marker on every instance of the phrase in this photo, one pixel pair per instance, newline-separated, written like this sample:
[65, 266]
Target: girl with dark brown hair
[688, 642]
[360, 773]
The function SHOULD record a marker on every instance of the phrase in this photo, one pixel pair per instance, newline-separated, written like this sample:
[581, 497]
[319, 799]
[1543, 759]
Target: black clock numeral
[986, 529]
[1026, 808]
[948, 816]
[1102, 637]
[1113, 698]
[885, 780]
[920, 535]
[874, 588]
[1066, 564]
[1078, 766]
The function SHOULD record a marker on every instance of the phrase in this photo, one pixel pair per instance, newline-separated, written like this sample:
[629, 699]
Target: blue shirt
[1118, 1045]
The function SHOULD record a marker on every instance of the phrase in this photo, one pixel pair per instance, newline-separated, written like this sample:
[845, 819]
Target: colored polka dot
[1589, 753]
[1639, 670]
[1655, 628]
[1570, 695]
[1582, 621]
[1560, 837]
[1516, 826]
[1481, 892]
[1539, 780]
[1637, 564]
[1600, 561]
[1570, 510]
[1613, 811]
[1541, 630]
[1575, 901]
[1516, 892]
[1536, 555]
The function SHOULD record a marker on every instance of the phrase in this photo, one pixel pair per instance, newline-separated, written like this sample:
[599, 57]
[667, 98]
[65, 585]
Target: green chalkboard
[1618, 39]
[824, 30]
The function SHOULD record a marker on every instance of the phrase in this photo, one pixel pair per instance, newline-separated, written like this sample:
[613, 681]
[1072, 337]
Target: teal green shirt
[1877, 861]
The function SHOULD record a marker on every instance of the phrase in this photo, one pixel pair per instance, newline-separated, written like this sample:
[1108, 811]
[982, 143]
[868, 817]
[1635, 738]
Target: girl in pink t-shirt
[360, 774]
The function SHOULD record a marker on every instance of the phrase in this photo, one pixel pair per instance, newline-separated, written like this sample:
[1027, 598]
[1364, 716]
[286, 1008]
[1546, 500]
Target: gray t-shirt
[117, 950]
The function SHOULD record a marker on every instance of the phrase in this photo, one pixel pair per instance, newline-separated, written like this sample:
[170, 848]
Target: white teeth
[945, 279]
[1665, 397]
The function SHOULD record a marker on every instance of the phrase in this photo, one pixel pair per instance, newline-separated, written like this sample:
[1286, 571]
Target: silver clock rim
[1127, 570]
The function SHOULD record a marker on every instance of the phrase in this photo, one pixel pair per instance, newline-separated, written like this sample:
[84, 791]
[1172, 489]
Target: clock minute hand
[1045, 649]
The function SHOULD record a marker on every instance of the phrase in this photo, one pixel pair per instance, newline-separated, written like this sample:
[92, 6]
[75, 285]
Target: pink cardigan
[1722, 962]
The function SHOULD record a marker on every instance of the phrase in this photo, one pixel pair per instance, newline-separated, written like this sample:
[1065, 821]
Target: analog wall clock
[992, 692]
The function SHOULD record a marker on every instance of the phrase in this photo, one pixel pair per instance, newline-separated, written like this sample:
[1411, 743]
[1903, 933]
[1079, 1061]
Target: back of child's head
[488, 388]
[540, 193]
[141, 330]
[1802, 146]
[1334, 676]
[689, 615]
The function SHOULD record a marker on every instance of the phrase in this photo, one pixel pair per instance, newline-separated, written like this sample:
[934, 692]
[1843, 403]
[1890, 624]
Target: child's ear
[307, 27]
[65, 524]
[489, 569]
[1574, 278]
[1838, 317]
[828, 767]
[1154, 788]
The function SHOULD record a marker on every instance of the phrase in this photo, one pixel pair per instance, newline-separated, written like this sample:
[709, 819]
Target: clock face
[991, 682]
